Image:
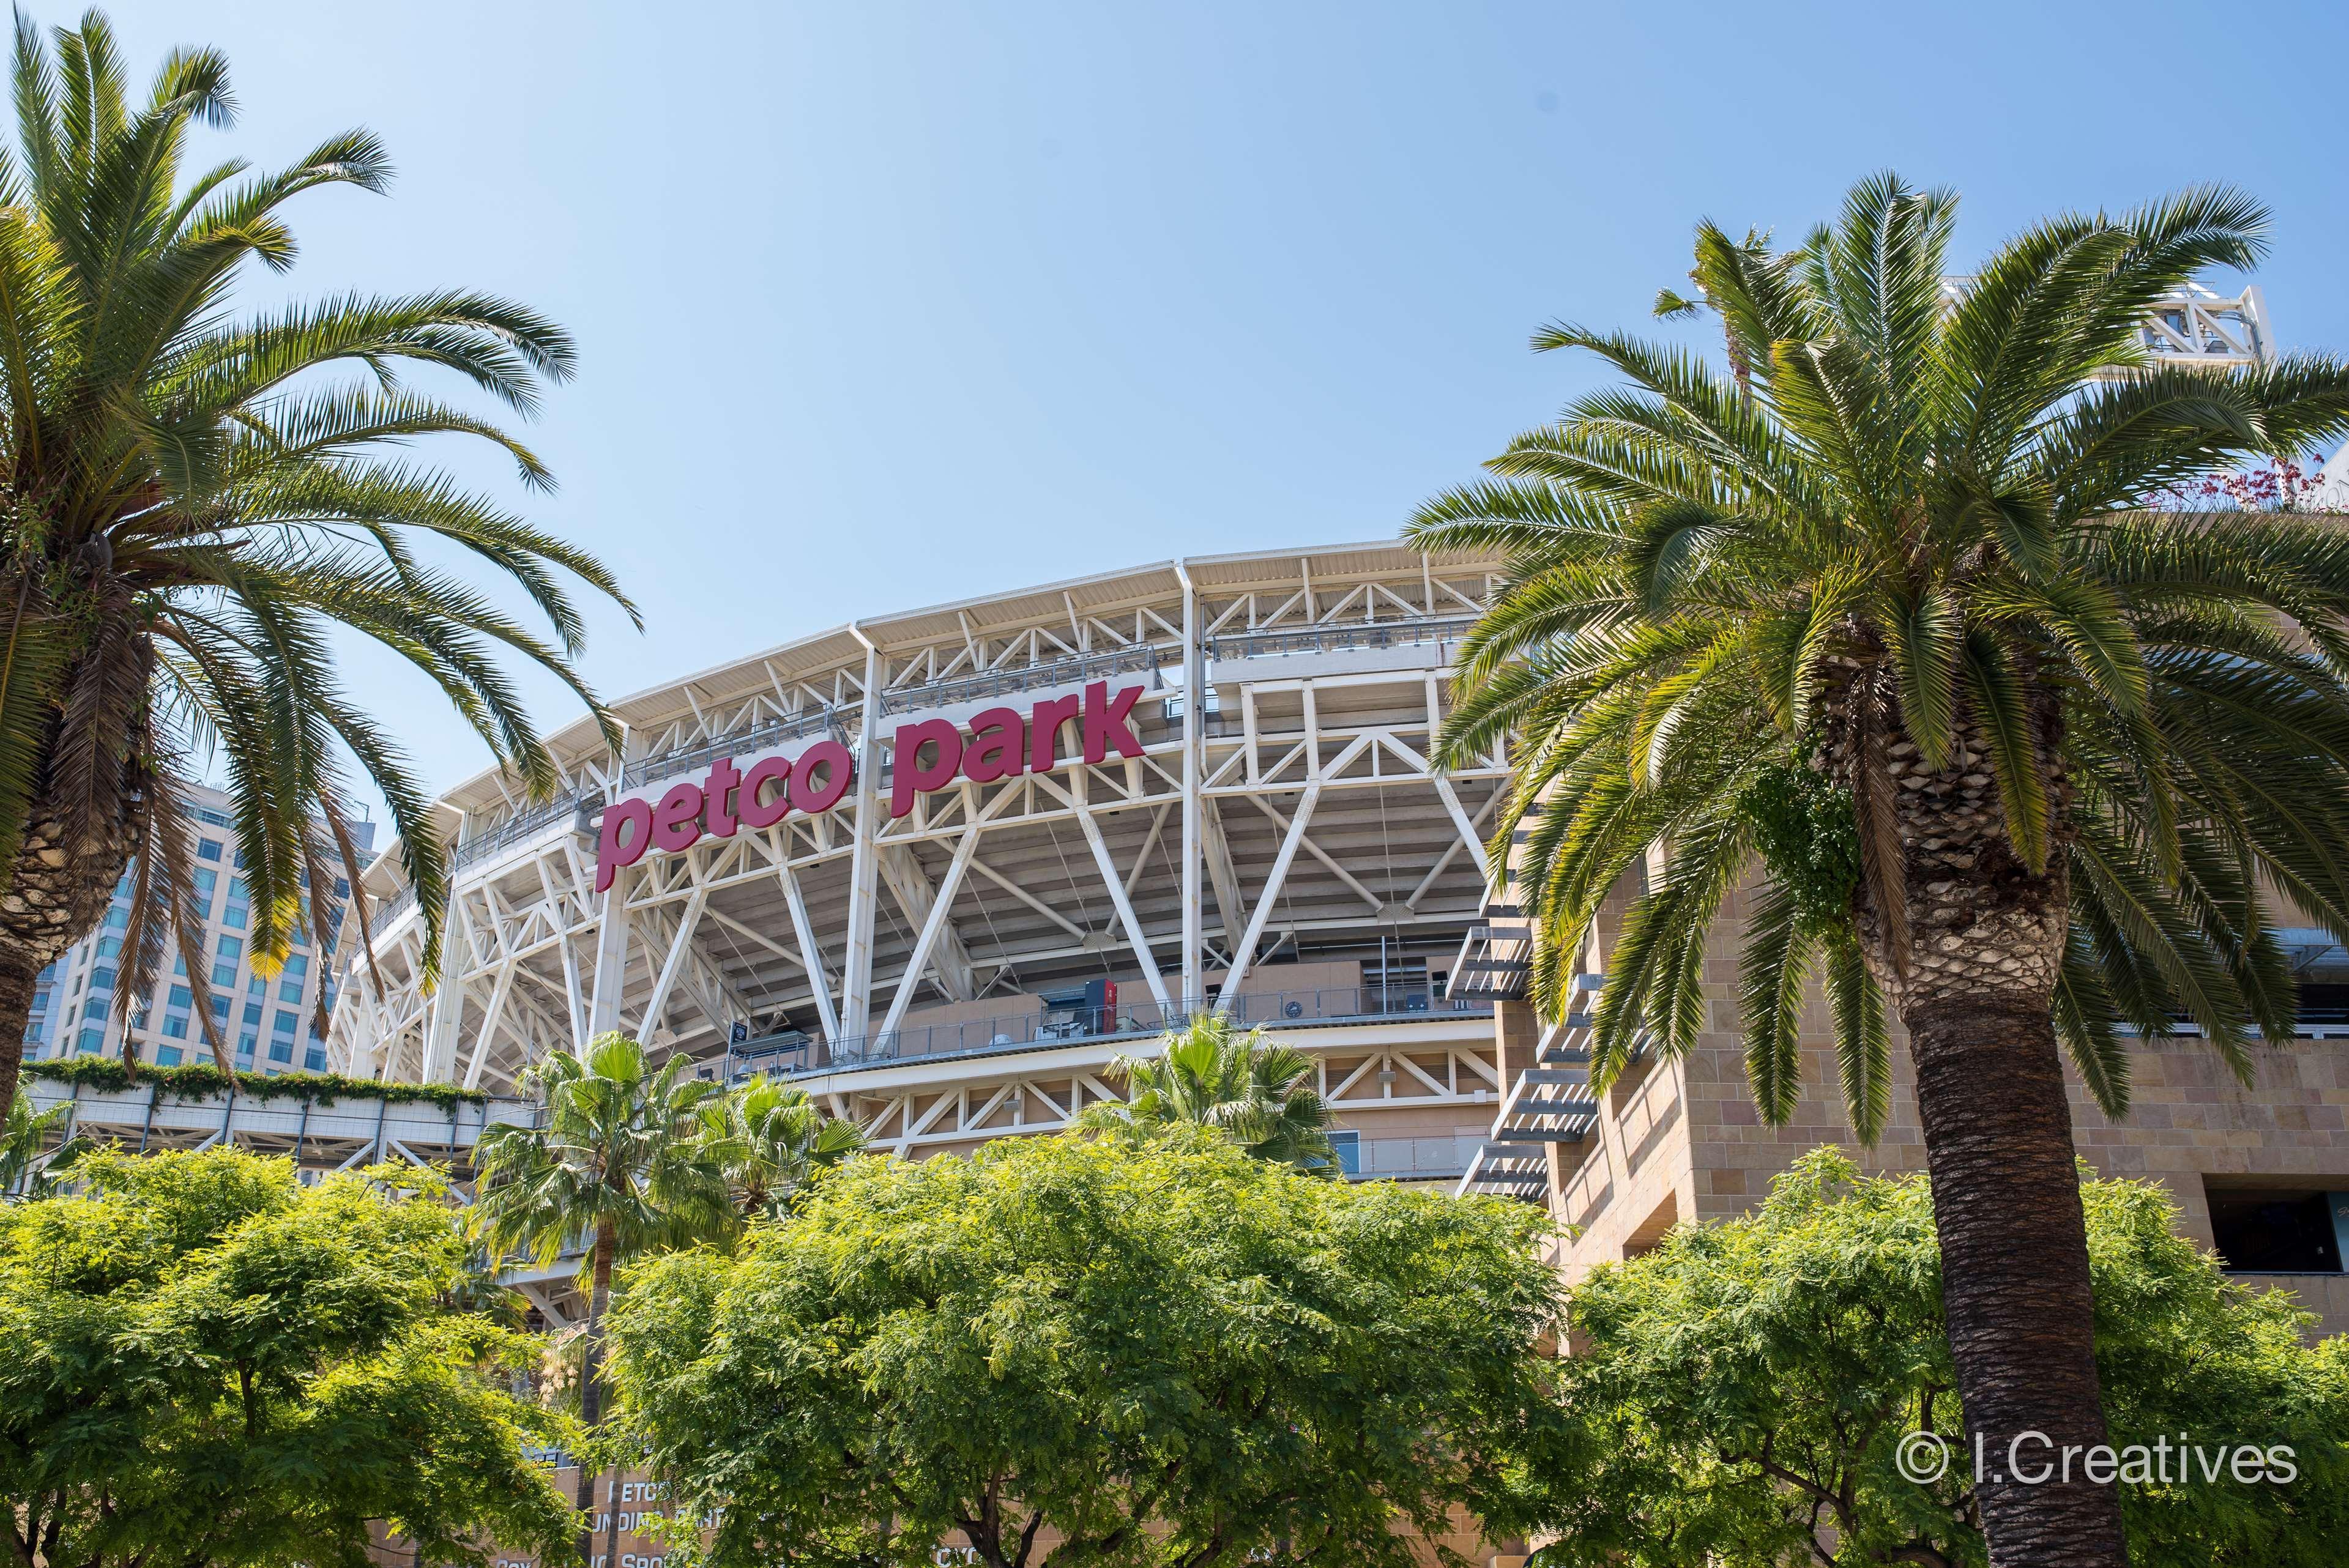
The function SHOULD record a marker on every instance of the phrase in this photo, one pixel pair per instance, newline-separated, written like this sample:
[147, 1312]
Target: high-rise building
[266, 1021]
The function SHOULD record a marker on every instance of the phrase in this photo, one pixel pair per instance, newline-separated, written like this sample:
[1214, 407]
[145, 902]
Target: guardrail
[1069, 671]
[1039, 1028]
[690, 758]
[1325, 639]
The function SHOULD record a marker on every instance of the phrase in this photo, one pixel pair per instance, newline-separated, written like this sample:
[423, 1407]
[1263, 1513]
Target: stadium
[941, 867]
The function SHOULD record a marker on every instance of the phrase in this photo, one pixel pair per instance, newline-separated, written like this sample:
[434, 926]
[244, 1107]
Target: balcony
[1041, 1029]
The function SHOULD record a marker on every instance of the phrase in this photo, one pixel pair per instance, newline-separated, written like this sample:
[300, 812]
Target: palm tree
[24, 1140]
[2010, 748]
[193, 501]
[1260, 1095]
[619, 1163]
[769, 1138]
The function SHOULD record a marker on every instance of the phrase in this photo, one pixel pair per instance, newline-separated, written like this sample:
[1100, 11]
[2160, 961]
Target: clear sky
[885, 304]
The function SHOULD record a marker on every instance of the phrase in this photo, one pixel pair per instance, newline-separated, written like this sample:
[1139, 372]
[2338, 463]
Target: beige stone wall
[1682, 1140]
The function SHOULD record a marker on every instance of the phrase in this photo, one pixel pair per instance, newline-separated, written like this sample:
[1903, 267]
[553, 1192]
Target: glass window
[283, 1024]
[297, 965]
[179, 998]
[233, 916]
[209, 849]
[116, 917]
[220, 1008]
[289, 990]
[179, 965]
[231, 946]
[255, 984]
[101, 979]
[342, 888]
[175, 1025]
[206, 878]
[2263, 1229]
[244, 1043]
[253, 1011]
[123, 888]
[224, 974]
[107, 946]
[93, 1038]
[169, 1055]
[281, 1049]
[236, 889]
[315, 1058]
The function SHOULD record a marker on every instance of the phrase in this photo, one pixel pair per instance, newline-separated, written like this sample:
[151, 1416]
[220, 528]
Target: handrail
[1067, 671]
[687, 758]
[1359, 634]
[793, 1053]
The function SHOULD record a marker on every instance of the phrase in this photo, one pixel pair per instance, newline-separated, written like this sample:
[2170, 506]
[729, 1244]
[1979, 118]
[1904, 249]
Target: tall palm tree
[1259, 1094]
[769, 1137]
[2009, 749]
[618, 1162]
[192, 501]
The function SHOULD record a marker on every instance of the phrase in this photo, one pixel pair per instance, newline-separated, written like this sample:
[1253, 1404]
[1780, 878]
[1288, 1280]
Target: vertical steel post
[1195, 989]
[864, 865]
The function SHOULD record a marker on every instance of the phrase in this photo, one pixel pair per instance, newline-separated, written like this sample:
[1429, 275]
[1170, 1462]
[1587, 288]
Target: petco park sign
[929, 754]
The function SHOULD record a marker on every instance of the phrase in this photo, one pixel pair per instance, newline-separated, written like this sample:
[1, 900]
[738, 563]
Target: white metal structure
[1281, 849]
[2194, 326]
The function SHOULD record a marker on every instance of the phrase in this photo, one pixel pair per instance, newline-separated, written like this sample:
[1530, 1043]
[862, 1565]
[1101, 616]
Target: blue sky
[883, 304]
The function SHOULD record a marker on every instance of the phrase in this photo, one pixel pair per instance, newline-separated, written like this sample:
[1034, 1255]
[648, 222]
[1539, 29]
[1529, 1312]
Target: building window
[236, 889]
[253, 1011]
[117, 918]
[101, 979]
[108, 946]
[167, 1055]
[206, 878]
[233, 916]
[230, 946]
[175, 1025]
[244, 1043]
[209, 849]
[179, 996]
[281, 1049]
[315, 1058]
[297, 965]
[220, 1008]
[255, 984]
[289, 990]
[1348, 1147]
[224, 974]
[2278, 1229]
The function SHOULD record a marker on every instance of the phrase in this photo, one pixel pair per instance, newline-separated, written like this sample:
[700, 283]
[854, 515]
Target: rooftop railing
[1326, 639]
[1039, 1028]
[693, 758]
[1072, 670]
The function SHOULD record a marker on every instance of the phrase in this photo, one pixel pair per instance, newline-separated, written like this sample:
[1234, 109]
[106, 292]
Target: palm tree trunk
[2015, 1272]
[52, 897]
[16, 977]
[591, 1381]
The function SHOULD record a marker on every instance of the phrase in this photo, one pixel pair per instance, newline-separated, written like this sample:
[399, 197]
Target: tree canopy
[1736, 1397]
[1069, 1349]
[204, 1362]
[1258, 1094]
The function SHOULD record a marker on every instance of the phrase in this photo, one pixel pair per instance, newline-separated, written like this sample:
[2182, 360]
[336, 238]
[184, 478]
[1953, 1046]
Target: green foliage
[193, 1080]
[1116, 1351]
[194, 502]
[1909, 528]
[202, 1361]
[1258, 1094]
[1803, 828]
[24, 1139]
[769, 1138]
[1737, 1394]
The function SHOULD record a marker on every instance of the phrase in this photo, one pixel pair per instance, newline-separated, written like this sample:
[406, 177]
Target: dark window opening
[2276, 1230]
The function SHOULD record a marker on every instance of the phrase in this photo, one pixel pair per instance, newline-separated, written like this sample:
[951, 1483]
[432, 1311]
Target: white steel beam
[1134, 934]
[864, 877]
[810, 954]
[491, 1018]
[657, 1004]
[914, 894]
[937, 923]
[611, 957]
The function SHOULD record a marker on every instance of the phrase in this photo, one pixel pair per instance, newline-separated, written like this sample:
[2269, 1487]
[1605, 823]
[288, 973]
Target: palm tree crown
[1260, 1095]
[192, 501]
[1888, 623]
[769, 1138]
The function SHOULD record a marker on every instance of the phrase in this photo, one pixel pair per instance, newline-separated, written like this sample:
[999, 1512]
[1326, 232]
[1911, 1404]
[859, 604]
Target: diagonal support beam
[1221, 873]
[915, 896]
[1243, 953]
[493, 1016]
[666, 981]
[810, 954]
[1031, 900]
[935, 929]
[1125, 916]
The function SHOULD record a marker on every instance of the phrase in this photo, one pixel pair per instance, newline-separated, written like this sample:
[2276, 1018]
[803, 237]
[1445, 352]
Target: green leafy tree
[1738, 1395]
[1259, 1094]
[2016, 759]
[769, 1138]
[192, 502]
[203, 1362]
[1072, 1350]
[618, 1165]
